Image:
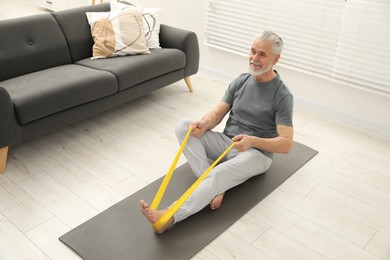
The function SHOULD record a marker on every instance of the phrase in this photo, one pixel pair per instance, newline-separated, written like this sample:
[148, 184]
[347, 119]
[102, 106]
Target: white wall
[347, 103]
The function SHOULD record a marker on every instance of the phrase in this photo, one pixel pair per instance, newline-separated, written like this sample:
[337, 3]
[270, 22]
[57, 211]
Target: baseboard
[354, 120]
[216, 73]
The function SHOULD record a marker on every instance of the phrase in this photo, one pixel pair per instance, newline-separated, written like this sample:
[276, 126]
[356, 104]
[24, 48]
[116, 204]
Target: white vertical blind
[319, 35]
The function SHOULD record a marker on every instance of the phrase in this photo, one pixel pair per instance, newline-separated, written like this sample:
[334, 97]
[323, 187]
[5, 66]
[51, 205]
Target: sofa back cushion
[30, 44]
[74, 24]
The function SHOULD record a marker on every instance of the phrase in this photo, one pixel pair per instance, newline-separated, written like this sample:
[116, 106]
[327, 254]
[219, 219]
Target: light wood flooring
[336, 207]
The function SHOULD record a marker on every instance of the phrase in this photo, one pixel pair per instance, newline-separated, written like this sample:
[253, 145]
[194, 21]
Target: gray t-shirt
[257, 107]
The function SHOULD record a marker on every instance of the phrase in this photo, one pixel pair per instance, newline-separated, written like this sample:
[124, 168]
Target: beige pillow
[117, 33]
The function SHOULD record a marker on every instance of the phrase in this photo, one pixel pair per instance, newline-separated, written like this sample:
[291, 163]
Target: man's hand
[243, 142]
[279, 144]
[210, 120]
[198, 128]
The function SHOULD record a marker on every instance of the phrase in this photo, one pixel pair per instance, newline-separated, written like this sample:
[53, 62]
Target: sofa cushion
[74, 24]
[131, 70]
[43, 93]
[117, 33]
[30, 44]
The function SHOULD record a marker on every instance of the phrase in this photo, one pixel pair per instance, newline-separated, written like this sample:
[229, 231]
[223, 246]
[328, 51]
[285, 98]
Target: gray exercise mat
[122, 232]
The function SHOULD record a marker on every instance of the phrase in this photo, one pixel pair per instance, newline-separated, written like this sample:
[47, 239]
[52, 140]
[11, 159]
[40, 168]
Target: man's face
[261, 58]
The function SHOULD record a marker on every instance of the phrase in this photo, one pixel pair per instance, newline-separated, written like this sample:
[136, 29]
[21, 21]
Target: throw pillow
[152, 26]
[151, 22]
[117, 33]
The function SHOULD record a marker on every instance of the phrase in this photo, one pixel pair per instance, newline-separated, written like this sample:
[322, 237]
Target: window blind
[319, 35]
[362, 58]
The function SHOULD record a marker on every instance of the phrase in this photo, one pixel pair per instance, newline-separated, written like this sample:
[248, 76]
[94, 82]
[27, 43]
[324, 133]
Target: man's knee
[181, 128]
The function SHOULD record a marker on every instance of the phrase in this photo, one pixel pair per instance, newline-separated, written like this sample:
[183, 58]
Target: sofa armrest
[9, 127]
[186, 41]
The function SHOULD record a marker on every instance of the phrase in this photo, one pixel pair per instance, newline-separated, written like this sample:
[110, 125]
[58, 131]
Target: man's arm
[211, 119]
[279, 144]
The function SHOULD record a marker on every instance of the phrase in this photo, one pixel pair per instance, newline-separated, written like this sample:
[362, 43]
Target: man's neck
[268, 76]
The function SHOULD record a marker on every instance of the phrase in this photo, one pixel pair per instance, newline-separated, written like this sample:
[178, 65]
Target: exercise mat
[122, 232]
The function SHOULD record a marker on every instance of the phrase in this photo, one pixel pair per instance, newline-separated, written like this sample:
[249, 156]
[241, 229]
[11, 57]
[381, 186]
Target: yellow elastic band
[167, 178]
[161, 222]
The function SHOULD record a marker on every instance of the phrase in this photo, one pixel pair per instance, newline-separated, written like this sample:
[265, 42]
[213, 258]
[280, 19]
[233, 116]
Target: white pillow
[152, 17]
[117, 33]
[151, 21]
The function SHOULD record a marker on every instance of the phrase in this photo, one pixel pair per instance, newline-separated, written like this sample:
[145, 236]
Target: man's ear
[276, 59]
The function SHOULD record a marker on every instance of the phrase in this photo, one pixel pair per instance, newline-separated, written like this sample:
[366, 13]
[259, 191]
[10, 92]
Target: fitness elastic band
[161, 222]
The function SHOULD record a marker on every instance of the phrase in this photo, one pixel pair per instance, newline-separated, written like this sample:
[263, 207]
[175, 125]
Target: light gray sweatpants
[232, 170]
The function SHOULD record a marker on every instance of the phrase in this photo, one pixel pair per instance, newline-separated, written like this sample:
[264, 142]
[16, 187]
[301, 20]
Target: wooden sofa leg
[188, 82]
[3, 158]
[93, 2]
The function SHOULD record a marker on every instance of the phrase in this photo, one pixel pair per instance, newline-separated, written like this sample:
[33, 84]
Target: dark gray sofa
[47, 79]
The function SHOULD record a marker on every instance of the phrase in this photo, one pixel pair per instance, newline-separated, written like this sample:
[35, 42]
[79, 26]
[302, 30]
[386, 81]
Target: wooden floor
[336, 207]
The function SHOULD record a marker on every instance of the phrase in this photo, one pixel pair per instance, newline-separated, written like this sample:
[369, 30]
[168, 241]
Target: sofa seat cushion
[132, 70]
[49, 91]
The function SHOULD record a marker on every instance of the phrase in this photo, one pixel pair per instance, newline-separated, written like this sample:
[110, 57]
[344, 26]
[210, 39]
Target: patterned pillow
[117, 33]
[151, 21]
[152, 26]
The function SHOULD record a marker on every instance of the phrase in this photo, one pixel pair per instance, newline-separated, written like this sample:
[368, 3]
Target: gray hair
[276, 40]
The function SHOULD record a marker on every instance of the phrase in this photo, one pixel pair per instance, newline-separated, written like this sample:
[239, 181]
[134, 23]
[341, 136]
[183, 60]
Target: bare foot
[153, 215]
[217, 201]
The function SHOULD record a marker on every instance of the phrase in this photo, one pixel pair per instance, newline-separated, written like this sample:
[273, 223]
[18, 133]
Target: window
[342, 40]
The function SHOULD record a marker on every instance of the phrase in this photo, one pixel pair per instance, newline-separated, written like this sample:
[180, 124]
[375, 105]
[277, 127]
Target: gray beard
[257, 73]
